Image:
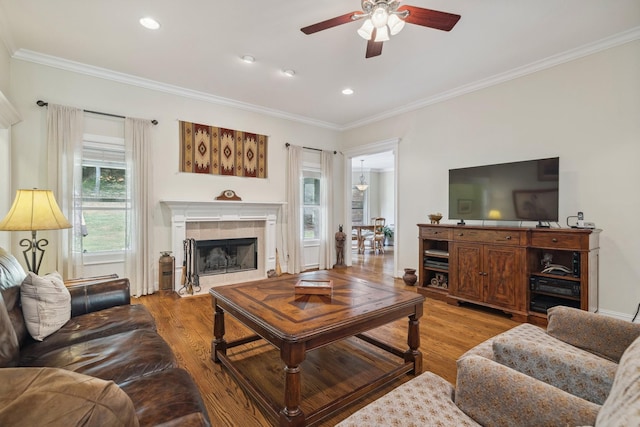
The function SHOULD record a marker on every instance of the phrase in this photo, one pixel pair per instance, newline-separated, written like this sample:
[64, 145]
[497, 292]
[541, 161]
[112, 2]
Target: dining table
[360, 236]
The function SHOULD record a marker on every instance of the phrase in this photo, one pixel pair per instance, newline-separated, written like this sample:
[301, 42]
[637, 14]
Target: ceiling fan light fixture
[387, 17]
[380, 16]
[382, 34]
[395, 24]
[366, 29]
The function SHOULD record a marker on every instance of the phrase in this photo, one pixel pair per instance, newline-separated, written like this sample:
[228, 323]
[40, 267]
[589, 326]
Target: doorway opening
[375, 165]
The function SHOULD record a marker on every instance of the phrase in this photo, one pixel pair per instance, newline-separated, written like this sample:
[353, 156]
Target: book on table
[314, 287]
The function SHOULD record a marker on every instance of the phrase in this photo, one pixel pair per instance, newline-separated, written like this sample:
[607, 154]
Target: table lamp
[495, 214]
[34, 210]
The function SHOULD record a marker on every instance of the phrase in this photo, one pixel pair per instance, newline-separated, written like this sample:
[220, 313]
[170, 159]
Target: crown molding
[106, 74]
[589, 49]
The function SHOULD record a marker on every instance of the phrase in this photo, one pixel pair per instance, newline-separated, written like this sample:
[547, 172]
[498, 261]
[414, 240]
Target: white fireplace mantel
[183, 212]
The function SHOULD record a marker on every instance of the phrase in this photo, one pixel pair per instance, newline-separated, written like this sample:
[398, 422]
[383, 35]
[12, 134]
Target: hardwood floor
[446, 332]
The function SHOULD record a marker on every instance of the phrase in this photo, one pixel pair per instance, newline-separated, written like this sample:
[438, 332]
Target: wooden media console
[521, 271]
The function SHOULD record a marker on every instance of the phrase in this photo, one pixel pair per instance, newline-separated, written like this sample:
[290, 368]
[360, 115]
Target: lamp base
[34, 245]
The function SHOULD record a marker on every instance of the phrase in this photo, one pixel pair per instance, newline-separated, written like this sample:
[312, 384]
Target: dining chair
[376, 239]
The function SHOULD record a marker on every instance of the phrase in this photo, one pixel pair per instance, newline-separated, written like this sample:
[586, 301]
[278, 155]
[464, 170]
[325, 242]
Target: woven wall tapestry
[218, 151]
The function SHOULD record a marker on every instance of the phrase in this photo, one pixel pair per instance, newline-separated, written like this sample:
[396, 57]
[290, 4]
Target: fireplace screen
[226, 256]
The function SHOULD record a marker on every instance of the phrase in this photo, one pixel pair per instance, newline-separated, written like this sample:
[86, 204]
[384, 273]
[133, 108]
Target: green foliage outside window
[103, 208]
[311, 210]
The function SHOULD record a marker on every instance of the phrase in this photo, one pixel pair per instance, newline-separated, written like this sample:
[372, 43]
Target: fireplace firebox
[226, 256]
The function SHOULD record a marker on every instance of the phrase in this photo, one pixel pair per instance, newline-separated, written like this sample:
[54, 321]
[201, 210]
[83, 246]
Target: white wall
[586, 111]
[5, 183]
[373, 194]
[31, 82]
[5, 150]
[5, 66]
[385, 180]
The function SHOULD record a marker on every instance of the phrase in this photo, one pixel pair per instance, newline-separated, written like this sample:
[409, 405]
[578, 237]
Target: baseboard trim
[617, 315]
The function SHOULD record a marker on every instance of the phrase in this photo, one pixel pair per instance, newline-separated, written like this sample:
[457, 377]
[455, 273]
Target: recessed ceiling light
[347, 91]
[289, 73]
[248, 59]
[149, 23]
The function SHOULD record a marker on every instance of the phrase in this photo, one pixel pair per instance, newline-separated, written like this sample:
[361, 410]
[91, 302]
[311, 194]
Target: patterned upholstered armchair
[578, 353]
[584, 370]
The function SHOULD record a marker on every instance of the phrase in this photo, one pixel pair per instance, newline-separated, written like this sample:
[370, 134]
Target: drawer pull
[460, 234]
[435, 232]
[508, 237]
[554, 240]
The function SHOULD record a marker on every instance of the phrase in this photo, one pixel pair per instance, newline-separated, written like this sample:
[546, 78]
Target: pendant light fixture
[363, 184]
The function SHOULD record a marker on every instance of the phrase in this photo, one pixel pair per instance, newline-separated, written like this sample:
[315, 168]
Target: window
[357, 206]
[311, 205]
[104, 196]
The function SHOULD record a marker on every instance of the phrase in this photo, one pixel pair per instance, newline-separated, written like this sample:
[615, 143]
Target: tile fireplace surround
[224, 220]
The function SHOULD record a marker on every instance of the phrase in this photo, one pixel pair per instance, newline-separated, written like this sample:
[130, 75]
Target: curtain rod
[286, 144]
[44, 104]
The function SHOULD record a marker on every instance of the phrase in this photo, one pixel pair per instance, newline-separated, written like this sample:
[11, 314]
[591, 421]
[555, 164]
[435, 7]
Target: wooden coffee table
[294, 326]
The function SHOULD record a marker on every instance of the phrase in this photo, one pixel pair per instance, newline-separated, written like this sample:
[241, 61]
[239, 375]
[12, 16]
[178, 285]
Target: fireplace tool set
[190, 281]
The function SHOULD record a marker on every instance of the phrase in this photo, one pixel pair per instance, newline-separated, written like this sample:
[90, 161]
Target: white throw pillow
[46, 304]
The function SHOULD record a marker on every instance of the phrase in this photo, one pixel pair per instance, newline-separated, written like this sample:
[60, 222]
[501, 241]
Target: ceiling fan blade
[430, 18]
[330, 23]
[373, 49]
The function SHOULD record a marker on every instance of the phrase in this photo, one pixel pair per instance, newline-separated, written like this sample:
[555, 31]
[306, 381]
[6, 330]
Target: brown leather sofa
[106, 366]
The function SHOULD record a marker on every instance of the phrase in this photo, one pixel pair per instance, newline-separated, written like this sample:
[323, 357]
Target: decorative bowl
[435, 218]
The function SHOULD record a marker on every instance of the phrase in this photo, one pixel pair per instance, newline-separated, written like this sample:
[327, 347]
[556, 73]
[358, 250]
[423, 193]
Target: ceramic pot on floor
[410, 277]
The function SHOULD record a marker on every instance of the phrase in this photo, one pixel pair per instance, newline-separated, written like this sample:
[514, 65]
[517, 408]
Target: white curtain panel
[327, 239]
[64, 149]
[294, 237]
[139, 259]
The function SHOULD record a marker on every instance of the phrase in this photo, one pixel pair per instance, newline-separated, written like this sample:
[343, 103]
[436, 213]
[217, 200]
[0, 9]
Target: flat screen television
[517, 191]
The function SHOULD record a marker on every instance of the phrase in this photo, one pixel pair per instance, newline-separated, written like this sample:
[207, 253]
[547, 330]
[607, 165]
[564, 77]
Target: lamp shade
[395, 24]
[382, 34]
[379, 17]
[34, 210]
[366, 30]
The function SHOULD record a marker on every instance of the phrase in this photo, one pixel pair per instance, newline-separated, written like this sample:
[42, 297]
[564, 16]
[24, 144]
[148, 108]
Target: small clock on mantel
[228, 195]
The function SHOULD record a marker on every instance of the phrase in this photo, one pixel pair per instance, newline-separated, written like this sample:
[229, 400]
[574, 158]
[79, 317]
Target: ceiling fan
[384, 17]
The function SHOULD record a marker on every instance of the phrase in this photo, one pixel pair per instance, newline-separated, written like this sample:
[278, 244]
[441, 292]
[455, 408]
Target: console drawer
[560, 240]
[505, 237]
[435, 233]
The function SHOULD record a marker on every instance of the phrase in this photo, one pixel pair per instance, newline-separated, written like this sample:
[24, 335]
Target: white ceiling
[199, 45]
[383, 161]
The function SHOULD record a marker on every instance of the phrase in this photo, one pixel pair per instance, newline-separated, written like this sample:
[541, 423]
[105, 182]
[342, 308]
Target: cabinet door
[504, 268]
[468, 278]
